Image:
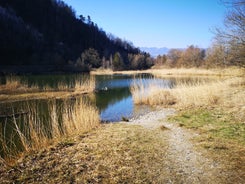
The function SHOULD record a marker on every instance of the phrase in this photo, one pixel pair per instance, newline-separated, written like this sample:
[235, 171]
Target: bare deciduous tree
[192, 57]
[233, 35]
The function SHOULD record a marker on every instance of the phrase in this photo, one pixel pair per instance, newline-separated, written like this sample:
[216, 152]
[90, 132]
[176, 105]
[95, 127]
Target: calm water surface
[112, 96]
[114, 99]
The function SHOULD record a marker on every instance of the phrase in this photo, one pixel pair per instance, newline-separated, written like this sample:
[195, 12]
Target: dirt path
[183, 162]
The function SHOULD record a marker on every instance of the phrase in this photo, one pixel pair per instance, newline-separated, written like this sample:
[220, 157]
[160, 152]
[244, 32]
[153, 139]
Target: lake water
[114, 99]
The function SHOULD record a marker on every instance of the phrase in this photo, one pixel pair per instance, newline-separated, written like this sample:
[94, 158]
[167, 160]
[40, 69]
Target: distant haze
[154, 51]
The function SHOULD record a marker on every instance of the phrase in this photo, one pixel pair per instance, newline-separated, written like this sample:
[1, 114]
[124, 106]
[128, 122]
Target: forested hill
[48, 33]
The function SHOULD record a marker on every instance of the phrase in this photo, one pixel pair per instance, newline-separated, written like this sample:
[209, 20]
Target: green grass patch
[215, 124]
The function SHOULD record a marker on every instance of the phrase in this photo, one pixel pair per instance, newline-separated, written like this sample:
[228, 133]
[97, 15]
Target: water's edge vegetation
[14, 88]
[214, 106]
[213, 109]
[39, 123]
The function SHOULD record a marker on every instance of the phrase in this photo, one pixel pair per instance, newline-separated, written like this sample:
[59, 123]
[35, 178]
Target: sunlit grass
[15, 89]
[199, 102]
[230, 71]
[32, 133]
[179, 72]
[15, 84]
[188, 95]
[149, 94]
[212, 123]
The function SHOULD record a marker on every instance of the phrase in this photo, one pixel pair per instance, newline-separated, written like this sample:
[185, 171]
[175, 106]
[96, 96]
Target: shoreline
[177, 72]
[41, 95]
[148, 148]
[222, 110]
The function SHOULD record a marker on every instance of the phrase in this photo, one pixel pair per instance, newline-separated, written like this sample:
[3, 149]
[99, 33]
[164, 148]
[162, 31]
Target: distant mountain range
[154, 51]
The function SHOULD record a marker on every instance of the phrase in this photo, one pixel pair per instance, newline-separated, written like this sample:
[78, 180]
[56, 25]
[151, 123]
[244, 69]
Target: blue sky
[155, 23]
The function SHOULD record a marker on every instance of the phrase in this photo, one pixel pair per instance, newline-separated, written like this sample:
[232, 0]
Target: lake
[112, 94]
[112, 97]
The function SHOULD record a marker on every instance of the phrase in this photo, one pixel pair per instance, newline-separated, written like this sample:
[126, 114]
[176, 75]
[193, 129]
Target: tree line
[48, 32]
[45, 33]
[228, 48]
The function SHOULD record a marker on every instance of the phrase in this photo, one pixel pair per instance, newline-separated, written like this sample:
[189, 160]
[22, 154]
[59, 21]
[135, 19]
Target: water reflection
[26, 124]
[46, 81]
[113, 96]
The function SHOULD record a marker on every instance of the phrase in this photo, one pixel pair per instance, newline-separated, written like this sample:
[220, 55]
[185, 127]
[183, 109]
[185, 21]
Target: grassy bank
[213, 124]
[120, 153]
[214, 109]
[217, 103]
[36, 130]
[192, 72]
[212, 151]
[114, 153]
[16, 89]
[178, 72]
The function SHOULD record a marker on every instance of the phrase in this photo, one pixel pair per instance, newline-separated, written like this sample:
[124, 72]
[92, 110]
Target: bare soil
[144, 150]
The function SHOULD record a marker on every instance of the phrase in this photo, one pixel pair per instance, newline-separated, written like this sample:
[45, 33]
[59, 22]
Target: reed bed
[86, 85]
[14, 84]
[176, 72]
[32, 132]
[187, 95]
[179, 72]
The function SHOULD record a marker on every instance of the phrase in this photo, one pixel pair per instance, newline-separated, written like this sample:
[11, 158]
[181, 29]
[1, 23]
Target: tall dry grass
[148, 93]
[15, 84]
[230, 71]
[179, 72]
[86, 85]
[187, 95]
[71, 118]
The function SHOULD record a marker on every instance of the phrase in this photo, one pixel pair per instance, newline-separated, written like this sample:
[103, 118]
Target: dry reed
[185, 95]
[149, 93]
[179, 72]
[71, 118]
[231, 71]
[15, 84]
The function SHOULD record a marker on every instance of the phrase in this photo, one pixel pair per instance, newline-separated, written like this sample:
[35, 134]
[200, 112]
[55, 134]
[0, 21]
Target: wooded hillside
[48, 32]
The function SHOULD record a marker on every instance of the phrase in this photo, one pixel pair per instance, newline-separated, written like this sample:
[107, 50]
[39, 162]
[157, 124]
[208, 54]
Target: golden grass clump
[151, 94]
[185, 95]
[13, 83]
[15, 89]
[63, 120]
[198, 94]
[80, 117]
[86, 85]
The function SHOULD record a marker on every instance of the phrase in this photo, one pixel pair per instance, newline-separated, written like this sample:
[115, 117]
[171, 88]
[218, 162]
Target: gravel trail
[183, 163]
